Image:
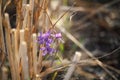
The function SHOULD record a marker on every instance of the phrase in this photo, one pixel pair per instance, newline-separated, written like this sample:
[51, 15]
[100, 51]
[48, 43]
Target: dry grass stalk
[23, 55]
[2, 43]
[37, 13]
[15, 52]
[31, 13]
[26, 9]
[22, 35]
[27, 26]
[34, 39]
[24, 60]
[72, 66]
[80, 71]
[9, 47]
[19, 18]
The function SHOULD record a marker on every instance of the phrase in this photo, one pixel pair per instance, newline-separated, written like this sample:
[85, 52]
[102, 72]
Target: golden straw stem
[15, 52]
[2, 43]
[19, 18]
[9, 47]
[23, 55]
[26, 13]
[34, 38]
[24, 60]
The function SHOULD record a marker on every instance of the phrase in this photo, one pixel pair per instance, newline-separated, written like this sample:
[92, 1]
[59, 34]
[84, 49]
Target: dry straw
[21, 42]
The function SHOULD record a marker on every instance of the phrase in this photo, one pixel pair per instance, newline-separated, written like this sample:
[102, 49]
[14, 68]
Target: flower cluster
[46, 40]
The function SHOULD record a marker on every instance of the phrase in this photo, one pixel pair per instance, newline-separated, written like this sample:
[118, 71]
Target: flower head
[58, 35]
[47, 39]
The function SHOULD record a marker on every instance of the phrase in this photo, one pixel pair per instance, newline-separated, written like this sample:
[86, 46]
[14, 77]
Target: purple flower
[50, 50]
[43, 48]
[47, 50]
[58, 35]
[40, 39]
[44, 53]
[47, 39]
[46, 35]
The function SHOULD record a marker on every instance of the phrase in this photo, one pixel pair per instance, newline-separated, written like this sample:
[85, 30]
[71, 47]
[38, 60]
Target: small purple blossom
[47, 50]
[58, 35]
[47, 39]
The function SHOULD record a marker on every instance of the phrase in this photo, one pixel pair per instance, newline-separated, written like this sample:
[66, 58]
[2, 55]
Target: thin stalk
[24, 60]
[2, 41]
[23, 56]
[19, 18]
[15, 52]
[9, 49]
[34, 53]
[72, 66]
